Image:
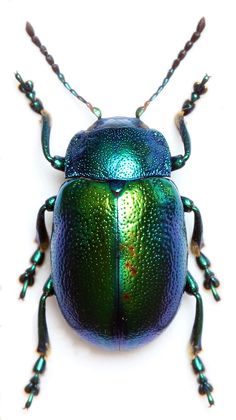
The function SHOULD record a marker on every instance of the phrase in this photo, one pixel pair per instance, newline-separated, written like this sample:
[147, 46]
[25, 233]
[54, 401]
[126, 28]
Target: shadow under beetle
[118, 246]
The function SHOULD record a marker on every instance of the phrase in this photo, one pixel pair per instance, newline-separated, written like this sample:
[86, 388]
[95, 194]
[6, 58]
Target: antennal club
[182, 54]
[30, 31]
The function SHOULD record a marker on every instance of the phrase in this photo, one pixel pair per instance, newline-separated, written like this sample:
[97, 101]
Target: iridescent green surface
[152, 256]
[84, 252]
[119, 258]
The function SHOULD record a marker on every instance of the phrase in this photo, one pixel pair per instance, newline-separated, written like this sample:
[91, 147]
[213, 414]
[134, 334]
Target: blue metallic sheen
[118, 149]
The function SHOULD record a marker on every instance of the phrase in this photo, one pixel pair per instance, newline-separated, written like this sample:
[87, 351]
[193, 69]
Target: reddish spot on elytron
[131, 250]
[133, 271]
[126, 296]
[128, 264]
[131, 268]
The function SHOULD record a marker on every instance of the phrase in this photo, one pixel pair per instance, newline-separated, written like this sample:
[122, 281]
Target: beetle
[119, 248]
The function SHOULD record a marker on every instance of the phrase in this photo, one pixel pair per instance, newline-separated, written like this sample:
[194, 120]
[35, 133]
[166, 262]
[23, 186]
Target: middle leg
[211, 282]
[42, 239]
[205, 388]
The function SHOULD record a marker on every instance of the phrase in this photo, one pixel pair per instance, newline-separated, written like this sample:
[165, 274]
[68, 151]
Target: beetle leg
[27, 88]
[211, 282]
[32, 388]
[27, 278]
[199, 89]
[205, 388]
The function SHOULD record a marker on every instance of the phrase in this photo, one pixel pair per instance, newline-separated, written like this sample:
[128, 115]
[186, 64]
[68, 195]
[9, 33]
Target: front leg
[199, 89]
[211, 282]
[27, 88]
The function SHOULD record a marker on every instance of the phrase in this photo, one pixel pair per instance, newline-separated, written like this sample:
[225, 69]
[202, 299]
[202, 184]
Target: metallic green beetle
[118, 245]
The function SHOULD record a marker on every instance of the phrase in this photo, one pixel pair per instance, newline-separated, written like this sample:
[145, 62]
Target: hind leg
[205, 388]
[32, 388]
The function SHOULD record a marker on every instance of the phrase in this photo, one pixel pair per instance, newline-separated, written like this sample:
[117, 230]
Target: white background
[116, 54]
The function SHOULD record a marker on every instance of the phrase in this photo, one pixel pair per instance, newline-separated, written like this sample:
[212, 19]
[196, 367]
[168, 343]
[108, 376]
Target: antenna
[182, 54]
[30, 31]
